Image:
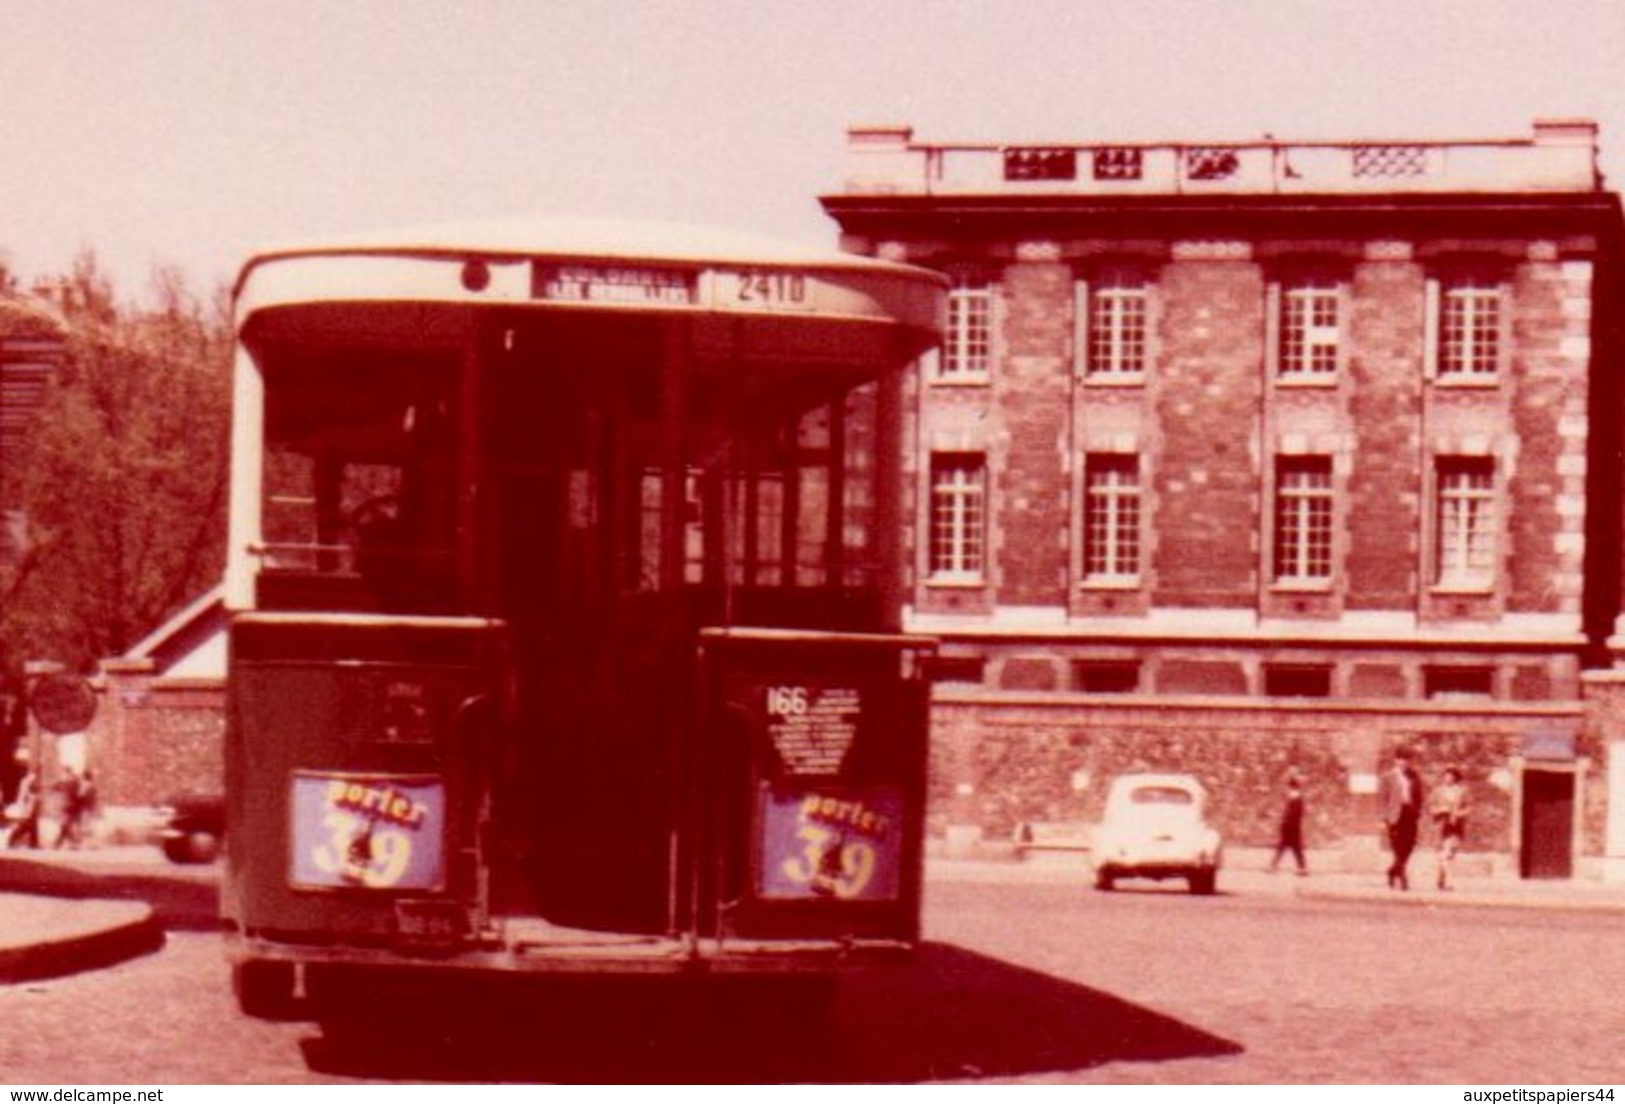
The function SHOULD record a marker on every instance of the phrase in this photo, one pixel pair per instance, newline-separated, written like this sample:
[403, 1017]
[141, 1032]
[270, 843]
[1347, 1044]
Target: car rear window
[1161, 795]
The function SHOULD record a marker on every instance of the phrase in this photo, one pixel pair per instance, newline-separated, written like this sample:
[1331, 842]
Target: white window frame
[1304, 547]
[1112, 322]
[1463, 347]
[956, 548]
[967, 341]
[1113, 511]
[1466, 540]
[1308, 346]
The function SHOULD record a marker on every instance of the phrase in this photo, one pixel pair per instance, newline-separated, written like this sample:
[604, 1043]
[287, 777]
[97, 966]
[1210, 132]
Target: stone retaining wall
[1001, 759]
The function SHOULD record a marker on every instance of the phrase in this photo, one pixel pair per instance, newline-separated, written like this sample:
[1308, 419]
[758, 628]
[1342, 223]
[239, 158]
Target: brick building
[32, 343]
[1253, 456]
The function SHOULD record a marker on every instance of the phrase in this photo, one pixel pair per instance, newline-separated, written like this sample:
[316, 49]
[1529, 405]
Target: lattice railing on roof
[1390, 161]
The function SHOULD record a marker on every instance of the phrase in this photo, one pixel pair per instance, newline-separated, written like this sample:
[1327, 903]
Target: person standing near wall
[1290, 837]
[77, 790]
[22, 815]
[1400, 796]
[1450, 814]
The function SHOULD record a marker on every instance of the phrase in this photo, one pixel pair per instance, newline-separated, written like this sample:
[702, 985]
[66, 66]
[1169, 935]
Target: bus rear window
[358, 483]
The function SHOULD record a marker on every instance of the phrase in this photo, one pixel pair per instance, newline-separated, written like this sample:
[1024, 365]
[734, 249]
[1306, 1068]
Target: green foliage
[124, 480]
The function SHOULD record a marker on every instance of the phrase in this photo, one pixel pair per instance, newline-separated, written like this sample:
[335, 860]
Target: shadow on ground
[178, 904]
[951, 1014]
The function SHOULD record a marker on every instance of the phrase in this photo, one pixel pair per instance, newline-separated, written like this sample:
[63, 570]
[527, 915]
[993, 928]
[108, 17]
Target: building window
[958, 517]
[1303, 519]
[1309, 330]
[1114, 318]
[1469, 342]
[1459, 683]
[967, 343]
[1297, 680]
[1099, 676]
[1111, 517]
[1464, 545]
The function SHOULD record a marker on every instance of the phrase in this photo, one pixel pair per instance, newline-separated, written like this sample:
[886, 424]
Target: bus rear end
[565, 600]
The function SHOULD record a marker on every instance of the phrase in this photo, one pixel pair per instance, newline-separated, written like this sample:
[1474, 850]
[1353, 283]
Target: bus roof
[597, 265]
[584, 238]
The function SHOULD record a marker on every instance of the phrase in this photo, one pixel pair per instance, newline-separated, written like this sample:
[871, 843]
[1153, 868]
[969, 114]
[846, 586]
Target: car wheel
[194, 847]
[1105, 880]
[1203, 881]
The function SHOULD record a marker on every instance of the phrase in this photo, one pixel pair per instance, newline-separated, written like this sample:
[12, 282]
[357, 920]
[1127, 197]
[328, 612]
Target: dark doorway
[1548, 824]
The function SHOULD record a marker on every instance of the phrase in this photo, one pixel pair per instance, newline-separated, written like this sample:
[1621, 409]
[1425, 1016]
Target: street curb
[96, 947]
[1457, 899]
[1335, 888]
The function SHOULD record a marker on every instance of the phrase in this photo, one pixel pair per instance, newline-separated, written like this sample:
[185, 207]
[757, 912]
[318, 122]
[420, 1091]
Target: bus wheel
[264, 989]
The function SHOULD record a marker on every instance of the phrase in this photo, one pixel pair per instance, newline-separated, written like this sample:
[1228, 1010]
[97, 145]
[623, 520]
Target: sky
[174, 133]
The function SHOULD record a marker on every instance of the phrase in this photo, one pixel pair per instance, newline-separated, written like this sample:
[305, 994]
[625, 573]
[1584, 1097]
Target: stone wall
[156, 737]
[999, 760]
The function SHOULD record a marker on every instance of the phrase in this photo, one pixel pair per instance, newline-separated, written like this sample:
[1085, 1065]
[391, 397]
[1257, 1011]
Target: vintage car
[1154, 827]
[194, 826]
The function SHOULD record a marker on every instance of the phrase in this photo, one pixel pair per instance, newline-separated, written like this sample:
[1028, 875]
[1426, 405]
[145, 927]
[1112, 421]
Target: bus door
[814, 814]
[806, 805]
[571, 425]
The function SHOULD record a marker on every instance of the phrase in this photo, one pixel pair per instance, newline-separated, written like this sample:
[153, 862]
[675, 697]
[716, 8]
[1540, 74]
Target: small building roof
[190, 644]
[29, 319]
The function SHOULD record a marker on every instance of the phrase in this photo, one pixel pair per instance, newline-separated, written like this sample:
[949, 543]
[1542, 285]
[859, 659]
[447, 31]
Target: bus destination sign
[579, 283]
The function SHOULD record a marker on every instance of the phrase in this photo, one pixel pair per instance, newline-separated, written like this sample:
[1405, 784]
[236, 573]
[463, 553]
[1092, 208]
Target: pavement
[1478, 882]
[64, 912]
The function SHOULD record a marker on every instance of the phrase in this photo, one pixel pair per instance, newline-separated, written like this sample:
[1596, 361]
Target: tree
[124, 480]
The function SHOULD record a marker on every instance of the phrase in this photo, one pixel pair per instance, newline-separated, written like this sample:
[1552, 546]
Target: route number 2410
[772, 289]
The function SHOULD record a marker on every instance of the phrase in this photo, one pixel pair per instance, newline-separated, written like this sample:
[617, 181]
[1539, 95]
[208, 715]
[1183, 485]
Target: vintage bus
[564, 585]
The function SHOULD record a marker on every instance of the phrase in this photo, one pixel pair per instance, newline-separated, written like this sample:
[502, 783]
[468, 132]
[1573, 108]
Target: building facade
[1261, 457]
[32, 343]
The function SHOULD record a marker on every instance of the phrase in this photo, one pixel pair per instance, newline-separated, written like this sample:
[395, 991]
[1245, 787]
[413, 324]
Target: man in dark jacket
[1290, 837]
[1400, 795]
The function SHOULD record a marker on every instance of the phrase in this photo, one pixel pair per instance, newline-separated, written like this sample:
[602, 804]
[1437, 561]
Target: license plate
[431, 921]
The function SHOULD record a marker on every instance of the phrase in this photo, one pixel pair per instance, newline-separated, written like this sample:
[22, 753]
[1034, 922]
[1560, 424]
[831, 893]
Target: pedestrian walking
[1400, 796]
[22, 815]
[1290, 836]
[78, 793]
[76, 790]
[1450, 815]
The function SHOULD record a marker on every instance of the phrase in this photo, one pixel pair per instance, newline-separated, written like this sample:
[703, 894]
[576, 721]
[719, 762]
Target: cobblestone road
[1323, 992]
[1027, 981]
